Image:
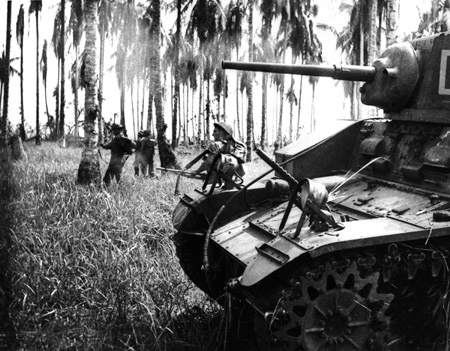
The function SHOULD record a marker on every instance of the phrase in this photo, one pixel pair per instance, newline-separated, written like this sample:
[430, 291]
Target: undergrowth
[94, 269]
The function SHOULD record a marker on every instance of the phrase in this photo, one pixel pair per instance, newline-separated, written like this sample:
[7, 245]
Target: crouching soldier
[232, 154]
[121, 148]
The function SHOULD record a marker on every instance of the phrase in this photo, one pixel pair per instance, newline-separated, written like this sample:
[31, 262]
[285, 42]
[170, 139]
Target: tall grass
[95, 269]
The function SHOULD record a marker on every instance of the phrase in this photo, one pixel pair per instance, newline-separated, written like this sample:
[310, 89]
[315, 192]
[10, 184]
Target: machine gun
[311, 197]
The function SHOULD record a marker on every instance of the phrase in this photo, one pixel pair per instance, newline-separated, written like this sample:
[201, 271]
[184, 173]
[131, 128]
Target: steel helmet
[225, 127]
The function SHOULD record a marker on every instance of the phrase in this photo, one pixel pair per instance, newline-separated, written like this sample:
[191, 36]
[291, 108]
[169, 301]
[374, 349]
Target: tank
[345, 244]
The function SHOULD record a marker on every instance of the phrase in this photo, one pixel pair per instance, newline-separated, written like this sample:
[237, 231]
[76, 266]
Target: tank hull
[343, 288]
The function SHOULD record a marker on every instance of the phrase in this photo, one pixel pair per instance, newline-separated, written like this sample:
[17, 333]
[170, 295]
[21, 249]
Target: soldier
[121, 148]
[231, 150]
[148, 151]
[139, 156]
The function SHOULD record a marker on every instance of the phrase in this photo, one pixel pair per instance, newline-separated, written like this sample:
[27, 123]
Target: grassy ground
[94, 269]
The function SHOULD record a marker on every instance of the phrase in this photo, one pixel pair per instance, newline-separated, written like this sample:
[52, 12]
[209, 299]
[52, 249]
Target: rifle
[182, 172]
[189, 165]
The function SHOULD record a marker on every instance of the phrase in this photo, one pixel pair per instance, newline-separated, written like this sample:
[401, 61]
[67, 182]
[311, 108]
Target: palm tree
[372, 47]
[5, 68]
[76, 27]
[176, 63]
[250, 84]
[63, 74]
[20, 26]
[166, 155]
[391, 21]
[206, 22]
[44, 69]
[89, 168]
[435, 21]
[233, 35]
[188, 76]
[351, 41]
[125, 23]
[171, 62]
[265, 53]
[104, 17]
[35, 7]
[58, 42]
[359, 40]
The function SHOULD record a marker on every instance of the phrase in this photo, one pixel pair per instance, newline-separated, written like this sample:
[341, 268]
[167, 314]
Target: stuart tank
[347, 246]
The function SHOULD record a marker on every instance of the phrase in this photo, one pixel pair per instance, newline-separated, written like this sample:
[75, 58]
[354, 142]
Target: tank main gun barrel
[349, 72]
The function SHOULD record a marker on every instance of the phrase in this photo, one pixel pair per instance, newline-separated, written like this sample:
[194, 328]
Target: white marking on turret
[443, 73]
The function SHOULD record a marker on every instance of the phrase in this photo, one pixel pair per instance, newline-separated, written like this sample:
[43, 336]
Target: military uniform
[145, 150]
[232, 154]
[121, 148]
[139, 156]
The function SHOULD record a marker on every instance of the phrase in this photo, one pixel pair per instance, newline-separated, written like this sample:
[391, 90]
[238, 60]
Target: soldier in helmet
[139, 156]
[148, 151]
[232, 153]
[145, 150]
[121, 148]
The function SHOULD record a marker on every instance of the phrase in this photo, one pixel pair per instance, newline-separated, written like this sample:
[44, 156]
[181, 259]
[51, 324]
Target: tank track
[189, 251]
[390, 298]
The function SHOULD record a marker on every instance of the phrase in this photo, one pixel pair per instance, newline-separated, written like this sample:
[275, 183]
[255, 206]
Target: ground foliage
[88, 268]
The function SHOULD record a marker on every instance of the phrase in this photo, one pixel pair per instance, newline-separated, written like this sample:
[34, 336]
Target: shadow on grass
[8, 340]
[195, 330]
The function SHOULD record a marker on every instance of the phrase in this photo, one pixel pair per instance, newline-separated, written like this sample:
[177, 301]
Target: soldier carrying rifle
[121, 148]
[145, 150]
[226, 155]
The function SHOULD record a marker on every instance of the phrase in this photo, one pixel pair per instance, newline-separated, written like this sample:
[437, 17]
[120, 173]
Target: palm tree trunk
[291, 110]
[300, 93]
[143, 100]
[138, 88]
[133, 115]
[150, 108]
[313, 111]
[250, 85]
[22, 111]
[237, 107]
[372, 48]
[207, 117]
[57, 95]
[89, 169]
[63, 74]
[224, 100]
[391, 21]
[4, 136]
[100, 87]
[176, 96]
[167, 157]
[264, 112]
[200, 97]
[122, 104]
[361, 62]
[75, 99]
[38, 127]
[237, 98]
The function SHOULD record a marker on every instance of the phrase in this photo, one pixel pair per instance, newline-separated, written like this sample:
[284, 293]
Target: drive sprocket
[334, 308]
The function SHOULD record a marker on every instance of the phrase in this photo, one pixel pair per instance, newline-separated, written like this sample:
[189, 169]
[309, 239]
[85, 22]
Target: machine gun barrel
[350, 72]
[277, 168]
